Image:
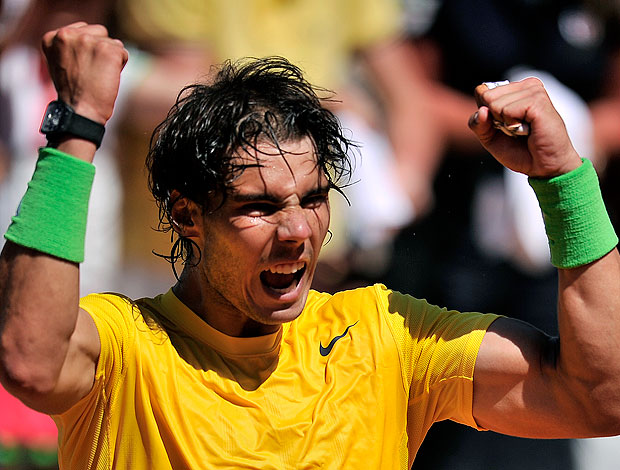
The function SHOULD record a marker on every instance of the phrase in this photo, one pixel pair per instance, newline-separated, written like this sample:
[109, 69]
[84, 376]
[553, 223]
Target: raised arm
[526, 383]
[48, 346]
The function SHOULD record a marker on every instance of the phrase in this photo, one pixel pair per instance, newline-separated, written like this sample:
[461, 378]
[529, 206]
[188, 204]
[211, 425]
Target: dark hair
[248, 102]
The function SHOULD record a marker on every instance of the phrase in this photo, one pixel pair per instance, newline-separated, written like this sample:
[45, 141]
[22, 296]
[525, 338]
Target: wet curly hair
[247, 102]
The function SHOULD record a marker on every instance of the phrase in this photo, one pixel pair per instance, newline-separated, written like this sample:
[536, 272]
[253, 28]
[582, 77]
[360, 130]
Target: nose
[293, 225]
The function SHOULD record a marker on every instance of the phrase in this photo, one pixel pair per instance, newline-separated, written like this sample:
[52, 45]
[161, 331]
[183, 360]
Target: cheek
[250, 237]
[227, 263]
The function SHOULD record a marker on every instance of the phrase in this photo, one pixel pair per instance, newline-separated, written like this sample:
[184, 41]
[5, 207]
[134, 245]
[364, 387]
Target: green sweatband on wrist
[51, 217]
[576, 221]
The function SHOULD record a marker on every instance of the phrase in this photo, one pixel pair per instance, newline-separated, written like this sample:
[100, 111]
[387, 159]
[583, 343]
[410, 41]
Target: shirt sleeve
[438, 350]
[83, 426]
[112, 317]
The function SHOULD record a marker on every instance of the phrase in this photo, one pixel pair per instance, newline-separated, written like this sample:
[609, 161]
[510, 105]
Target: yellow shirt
[354, 382]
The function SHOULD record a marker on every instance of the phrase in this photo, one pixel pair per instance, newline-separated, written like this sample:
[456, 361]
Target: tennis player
[241, 364]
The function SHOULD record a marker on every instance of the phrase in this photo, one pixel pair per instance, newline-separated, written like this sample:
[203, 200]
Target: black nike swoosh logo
[325, 351]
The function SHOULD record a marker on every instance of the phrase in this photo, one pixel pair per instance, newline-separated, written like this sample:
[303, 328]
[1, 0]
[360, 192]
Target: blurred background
[430, 214]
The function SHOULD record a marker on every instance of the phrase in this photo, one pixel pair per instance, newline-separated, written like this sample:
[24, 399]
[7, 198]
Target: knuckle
[63, 35]
[496, 108]
[48, 38]
[100, 29]
[533, 82]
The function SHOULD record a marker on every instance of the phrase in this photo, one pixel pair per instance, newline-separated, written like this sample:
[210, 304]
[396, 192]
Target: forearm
[452, 108]
[408, 104]
[529, 385]
[416, 135]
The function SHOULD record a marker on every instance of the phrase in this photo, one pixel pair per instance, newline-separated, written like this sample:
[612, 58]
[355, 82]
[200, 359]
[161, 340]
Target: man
[357, 51]
[241, 365]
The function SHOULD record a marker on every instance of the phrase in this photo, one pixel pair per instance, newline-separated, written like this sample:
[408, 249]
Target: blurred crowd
[427, 212]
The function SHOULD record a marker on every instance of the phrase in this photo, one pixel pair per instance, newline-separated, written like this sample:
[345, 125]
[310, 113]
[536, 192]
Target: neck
[214, 311]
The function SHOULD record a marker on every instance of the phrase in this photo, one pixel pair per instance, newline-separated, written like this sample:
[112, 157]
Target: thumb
[482, 125]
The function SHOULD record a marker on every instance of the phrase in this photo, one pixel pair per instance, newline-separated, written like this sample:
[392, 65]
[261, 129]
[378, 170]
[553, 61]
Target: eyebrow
[267, 197]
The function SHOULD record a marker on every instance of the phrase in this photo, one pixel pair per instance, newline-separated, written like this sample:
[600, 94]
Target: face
[260, 248]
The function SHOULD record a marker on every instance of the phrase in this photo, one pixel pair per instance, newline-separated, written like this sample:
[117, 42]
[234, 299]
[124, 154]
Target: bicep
[517, 388]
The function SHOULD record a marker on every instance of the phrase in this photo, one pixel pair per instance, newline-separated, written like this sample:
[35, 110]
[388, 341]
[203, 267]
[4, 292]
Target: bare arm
[526, 383]
[48, 346]
[413, 128]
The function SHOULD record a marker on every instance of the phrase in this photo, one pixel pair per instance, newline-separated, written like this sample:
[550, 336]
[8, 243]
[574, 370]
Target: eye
[315, 201]
[259, 209]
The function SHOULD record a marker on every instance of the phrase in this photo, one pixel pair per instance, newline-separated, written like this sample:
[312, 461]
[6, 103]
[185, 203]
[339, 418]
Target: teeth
[289, 268]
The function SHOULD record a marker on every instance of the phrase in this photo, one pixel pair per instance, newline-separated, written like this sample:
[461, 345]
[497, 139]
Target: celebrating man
[241, 364]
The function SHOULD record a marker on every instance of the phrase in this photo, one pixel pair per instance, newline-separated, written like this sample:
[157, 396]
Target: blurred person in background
[491, 247]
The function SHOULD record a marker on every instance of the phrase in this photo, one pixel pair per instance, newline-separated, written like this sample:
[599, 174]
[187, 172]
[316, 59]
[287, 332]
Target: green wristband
[576, 221]
[51, 217]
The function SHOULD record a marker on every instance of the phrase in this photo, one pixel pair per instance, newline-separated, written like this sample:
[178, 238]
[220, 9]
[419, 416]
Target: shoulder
[376, 297]
[108, 305]
[374, 304]
[406, 315]
[118, 315]
[366, 298]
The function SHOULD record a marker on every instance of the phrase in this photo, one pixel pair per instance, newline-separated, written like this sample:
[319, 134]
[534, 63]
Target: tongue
[277, 281]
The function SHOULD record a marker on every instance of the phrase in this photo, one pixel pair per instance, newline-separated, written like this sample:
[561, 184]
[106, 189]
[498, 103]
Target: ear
[185, 215]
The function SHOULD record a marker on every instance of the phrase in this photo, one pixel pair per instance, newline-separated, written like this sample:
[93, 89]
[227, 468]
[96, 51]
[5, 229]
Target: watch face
[52, 121]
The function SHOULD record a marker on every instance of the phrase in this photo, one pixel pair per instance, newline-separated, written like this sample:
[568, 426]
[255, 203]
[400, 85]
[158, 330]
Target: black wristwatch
[61, 120]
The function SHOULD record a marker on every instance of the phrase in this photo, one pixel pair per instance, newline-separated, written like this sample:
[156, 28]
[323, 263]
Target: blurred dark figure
[486, 248]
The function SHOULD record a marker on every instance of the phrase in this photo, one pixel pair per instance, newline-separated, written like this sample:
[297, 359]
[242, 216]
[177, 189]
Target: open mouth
[283, 278]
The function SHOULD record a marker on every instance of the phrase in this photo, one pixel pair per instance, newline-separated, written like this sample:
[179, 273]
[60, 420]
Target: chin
[278, 316]
[272, 307]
